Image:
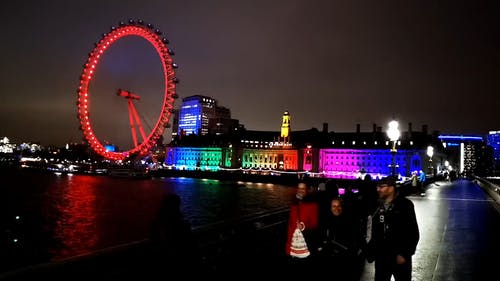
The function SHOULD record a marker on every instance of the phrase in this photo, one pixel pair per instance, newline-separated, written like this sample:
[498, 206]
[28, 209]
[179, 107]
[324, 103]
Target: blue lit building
[470, 153]
[355, 163]
[493, 140]
[194, 158]
[195, 114]
[354, 155]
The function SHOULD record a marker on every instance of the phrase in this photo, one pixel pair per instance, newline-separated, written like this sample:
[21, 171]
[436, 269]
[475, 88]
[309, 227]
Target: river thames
[47, 217]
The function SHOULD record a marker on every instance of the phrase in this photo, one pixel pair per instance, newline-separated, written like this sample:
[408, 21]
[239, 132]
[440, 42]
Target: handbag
[298, 246]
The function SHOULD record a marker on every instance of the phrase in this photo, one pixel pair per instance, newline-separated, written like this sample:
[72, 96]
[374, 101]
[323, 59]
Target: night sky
[340, 62]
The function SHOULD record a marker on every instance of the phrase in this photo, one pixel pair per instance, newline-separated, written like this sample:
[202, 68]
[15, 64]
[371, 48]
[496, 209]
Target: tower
[285, 127]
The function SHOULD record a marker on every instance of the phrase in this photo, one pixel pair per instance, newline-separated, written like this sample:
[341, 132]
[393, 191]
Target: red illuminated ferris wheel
[152, 35]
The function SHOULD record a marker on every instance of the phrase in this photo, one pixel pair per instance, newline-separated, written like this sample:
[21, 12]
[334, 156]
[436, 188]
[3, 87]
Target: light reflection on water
[68, 215]
[75, 225]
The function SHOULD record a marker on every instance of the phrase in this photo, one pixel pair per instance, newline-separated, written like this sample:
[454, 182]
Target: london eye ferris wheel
[146, 139]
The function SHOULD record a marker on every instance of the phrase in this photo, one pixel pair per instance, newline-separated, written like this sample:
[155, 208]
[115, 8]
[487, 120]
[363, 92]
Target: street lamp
[430, 153]
[393, 134]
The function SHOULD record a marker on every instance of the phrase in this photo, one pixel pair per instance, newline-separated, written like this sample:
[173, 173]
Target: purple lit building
[317, 153]
[355, 163]
[357, 154]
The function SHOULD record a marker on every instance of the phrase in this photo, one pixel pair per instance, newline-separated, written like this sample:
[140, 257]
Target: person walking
[414, 182]
[392, 234]
[421, 183]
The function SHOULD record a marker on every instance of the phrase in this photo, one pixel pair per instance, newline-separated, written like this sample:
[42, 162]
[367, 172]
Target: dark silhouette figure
[174, 247]
[340, 243]
[367, 197]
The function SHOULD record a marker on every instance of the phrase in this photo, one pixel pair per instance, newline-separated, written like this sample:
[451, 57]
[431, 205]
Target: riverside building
[319, 153]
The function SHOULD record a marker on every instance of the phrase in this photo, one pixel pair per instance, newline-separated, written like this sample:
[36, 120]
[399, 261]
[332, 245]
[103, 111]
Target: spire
[285, 127]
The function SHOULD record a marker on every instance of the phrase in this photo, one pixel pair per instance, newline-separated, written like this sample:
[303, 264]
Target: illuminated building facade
[195, 113]
[354, 155]
[194, 158]
[493, 140]
[336, 161]
[319, 153]
[309, 158]
[355, 163]
[215, 158]
[251, 150]
[275, 159]
[470, 153]
[268, 150]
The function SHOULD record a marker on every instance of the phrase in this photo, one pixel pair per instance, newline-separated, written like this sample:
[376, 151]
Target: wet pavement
[459, 234]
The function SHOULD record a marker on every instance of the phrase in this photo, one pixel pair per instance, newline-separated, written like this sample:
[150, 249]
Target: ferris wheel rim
[145, 31]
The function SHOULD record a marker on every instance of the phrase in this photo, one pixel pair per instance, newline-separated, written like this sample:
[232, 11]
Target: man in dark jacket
[393, 234]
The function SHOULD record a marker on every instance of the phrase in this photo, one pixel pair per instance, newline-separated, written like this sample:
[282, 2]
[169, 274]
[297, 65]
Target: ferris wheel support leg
[131, 119]
[138, 122]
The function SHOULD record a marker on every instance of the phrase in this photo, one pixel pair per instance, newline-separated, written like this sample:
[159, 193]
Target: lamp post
[430, 153]
[393, 134]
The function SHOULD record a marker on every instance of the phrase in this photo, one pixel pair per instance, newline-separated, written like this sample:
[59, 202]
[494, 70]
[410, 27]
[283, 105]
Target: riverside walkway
[459, 233]
[459, 240]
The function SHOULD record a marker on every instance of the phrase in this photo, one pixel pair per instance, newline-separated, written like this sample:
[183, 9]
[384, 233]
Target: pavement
[459, 234]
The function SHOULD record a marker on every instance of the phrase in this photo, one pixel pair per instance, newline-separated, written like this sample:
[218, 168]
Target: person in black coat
[392, 234]
[340, 242]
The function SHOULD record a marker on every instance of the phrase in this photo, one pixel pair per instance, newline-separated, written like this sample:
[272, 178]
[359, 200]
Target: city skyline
[341, 63]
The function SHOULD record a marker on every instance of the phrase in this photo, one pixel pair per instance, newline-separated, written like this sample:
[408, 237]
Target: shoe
[422, 194]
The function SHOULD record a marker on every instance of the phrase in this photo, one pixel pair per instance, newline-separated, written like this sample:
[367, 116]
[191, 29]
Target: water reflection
[65, 215]
[75, 226]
